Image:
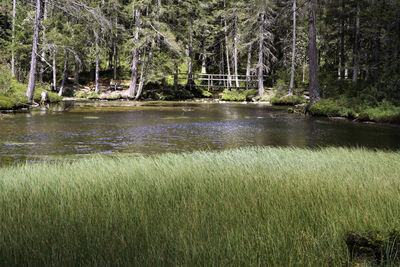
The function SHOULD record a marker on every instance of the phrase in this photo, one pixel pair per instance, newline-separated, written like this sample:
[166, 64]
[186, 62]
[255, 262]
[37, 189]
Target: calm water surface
[80, 129]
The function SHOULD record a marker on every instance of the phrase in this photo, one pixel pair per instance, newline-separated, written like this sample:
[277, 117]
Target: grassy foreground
[253, 206]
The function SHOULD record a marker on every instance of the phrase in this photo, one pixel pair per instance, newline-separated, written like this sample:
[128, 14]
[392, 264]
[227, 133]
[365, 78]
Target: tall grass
[253, 206]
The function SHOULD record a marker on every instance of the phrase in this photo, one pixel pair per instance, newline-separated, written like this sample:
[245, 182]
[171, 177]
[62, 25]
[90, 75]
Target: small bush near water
[254, 206]
[288, 100]
[239, 95]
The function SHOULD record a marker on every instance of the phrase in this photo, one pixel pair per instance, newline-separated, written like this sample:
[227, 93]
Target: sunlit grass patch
[253, 206]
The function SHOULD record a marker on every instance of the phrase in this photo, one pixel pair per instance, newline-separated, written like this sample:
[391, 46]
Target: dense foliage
[149, 42]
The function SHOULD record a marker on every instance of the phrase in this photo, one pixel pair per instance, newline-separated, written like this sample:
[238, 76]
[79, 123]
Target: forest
[199, 133]
[345, 52]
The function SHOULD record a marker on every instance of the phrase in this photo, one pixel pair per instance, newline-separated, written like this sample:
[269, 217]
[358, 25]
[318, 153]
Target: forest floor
[251, 206]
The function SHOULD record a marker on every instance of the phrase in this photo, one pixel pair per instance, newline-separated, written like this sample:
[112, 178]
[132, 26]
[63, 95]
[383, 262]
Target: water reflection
[81, 129]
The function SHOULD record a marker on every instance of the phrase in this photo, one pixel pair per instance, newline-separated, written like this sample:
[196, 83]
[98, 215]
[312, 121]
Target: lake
[76, 130]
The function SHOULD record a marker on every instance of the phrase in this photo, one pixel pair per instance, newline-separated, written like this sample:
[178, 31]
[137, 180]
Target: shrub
[7, 102]
[5, 79]
[288, 100]
[326, 107]
[93, 95]
[239, 95]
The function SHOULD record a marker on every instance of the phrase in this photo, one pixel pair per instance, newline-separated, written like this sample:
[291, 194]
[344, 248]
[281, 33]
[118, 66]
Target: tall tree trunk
[176, 75]
[356, 56]
[76, 71]
[227, 52]
[291, 85]
[43, 56]
[222, 64]
[13, 74]
[235, 51]
[136, 53]
[260, 66]
[342, 56]
[142, 71]
[204, 61]
[115, 55]
[146, 71]
[190, 67]
[54, 70]
[32, 73]
[97, 71]
[248, 65]
[110, 57]
[65, 74]
[312, 35]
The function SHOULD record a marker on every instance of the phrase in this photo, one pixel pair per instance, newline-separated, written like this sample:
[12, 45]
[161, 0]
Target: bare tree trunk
[190, 67]
[32, 74]
[13, 74]
[65, 73]
[76, 72]
[146, 71]
[312, 35]
[204, 61]
[142, 72]
[176, 75]
[110, 57]
[97, 71]
[248, 65]
[43, 56]
[115, 55]
[260, 66]
[342, 56]
[235, 52]
[54, 70]
[136, 53]
[291, 85]
[356, 67]
[227, 52]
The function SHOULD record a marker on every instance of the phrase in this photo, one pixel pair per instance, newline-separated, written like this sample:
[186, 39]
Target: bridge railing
[221, 80]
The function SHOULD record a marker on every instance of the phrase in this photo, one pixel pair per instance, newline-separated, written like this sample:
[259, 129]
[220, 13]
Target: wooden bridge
[210, 81]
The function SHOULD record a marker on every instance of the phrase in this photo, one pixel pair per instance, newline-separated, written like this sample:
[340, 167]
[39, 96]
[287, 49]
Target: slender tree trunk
[260, 66]
[190, 67]
[65, 74]
[97, 71]
[43, 56]
[356, 67]
[342, 55]
[13, 74]
[115, 56]
[142, 71]
[136, 54]
[227, 52]
[110, 57]
[32, 73]
[176, 75]
[76, 71]
[222, 64]
[54, 70]
[235, 51]
[312, 35]
[204, 61]
[291, 85]
[248, 65]
[146, 70]
[304, 72]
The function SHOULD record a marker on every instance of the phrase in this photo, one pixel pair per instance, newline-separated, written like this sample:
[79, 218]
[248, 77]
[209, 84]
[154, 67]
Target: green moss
[288, 100]
[238, 95]
[7, 102]
[93, 95]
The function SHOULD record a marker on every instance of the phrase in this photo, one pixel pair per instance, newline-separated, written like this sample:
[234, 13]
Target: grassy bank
[353, 109]
[255, 206]
[14, 96]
